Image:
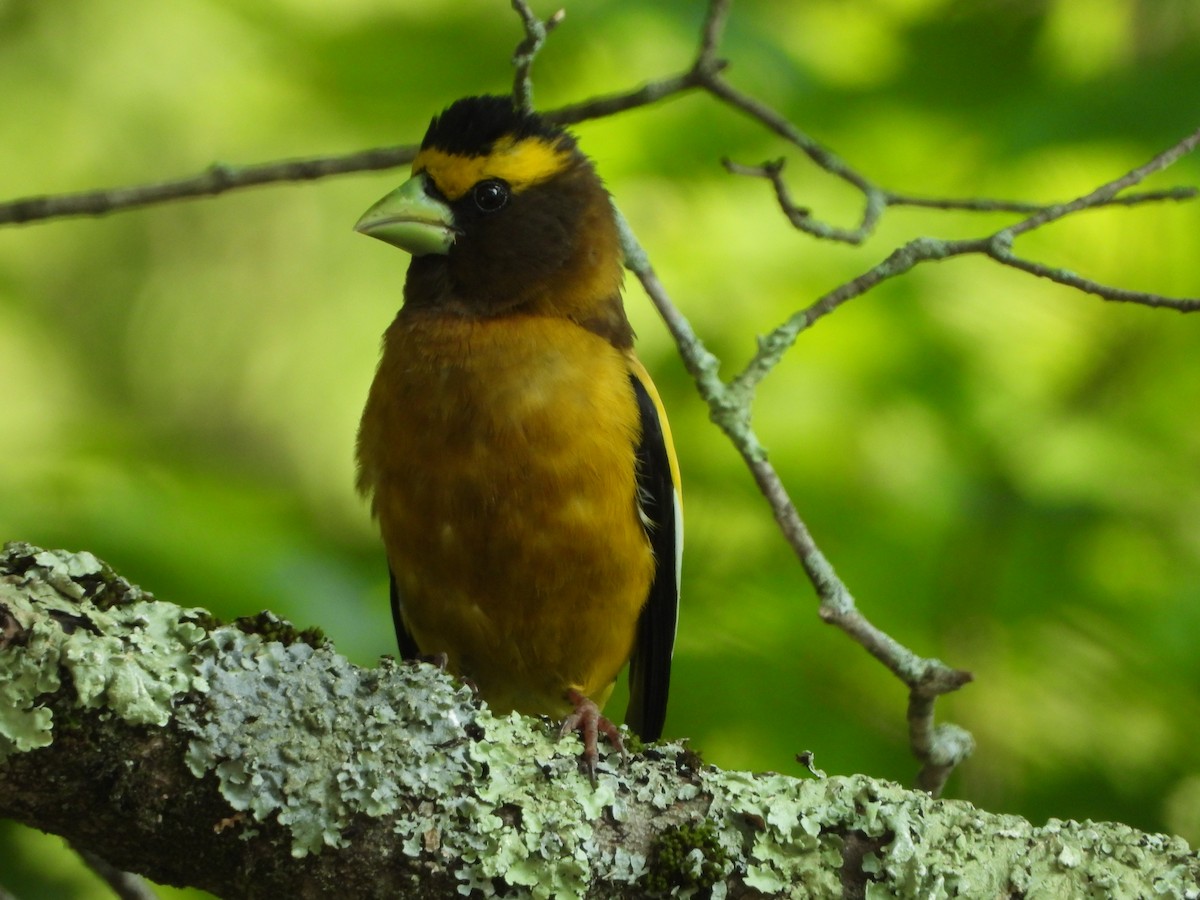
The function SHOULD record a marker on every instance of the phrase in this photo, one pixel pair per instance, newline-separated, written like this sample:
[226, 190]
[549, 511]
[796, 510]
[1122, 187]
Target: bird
[514, 450]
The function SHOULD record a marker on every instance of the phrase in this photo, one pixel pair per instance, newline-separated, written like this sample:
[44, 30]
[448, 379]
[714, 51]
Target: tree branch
[535, 35]
[216, 179]
[878, 200]
[997, 245]
[1106, 192]
[286, 771]
[938, 750]
[984, 204]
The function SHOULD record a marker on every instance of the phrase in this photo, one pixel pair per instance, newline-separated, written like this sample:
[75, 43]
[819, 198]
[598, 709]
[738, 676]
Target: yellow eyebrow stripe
[521, 163]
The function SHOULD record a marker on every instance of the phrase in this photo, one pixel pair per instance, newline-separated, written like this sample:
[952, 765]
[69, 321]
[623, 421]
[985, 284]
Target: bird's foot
[587, 720]
[439, 660]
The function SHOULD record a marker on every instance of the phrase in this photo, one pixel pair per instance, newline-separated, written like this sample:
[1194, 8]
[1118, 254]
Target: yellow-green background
[1005, 472]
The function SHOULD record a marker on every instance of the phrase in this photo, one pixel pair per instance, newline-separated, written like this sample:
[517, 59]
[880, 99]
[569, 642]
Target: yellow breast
[500, 456]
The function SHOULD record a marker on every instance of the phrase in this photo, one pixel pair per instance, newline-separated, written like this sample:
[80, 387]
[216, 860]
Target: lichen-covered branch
[938, 747]
[134, 728]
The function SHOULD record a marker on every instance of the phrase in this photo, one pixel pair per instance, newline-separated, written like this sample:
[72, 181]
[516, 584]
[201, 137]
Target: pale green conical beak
[410, 219]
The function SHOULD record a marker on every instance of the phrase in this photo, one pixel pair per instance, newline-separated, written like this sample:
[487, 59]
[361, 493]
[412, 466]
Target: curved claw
[587, 720]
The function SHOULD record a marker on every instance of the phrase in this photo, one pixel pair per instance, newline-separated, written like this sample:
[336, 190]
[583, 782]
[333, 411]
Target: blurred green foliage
[1005, 472]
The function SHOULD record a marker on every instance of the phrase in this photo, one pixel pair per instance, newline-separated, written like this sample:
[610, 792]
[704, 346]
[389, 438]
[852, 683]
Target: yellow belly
[500, 456]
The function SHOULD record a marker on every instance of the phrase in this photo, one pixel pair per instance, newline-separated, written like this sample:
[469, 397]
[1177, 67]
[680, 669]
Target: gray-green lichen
[66, 615]
[536, 833]
[774, 826]
[298, 734]
[929, 848]
[295, 734]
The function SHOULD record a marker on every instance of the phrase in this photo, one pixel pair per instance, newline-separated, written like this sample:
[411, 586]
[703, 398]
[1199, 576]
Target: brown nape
[553, 250]
[610, 322]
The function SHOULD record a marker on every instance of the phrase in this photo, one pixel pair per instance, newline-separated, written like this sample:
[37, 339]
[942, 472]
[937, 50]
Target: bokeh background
[1005, 472]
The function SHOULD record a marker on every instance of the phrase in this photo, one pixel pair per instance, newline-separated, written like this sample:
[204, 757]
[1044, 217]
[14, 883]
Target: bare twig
[220, 177]
[817, 152]
[535, 35]
[801, 217]
[877, 199]
[126, 885]
[216, 179]
[938, 749]
[997, 245]
[776, 343]
[1110, 189]
[1105, 291]
[710, 36]
[611, 104]
[941, 748]
[986, 205]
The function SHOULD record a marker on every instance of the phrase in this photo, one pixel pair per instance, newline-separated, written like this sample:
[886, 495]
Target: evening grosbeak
[513, 448]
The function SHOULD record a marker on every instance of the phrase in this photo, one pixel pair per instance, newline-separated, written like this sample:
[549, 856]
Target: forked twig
[522, 60]
[938, 748]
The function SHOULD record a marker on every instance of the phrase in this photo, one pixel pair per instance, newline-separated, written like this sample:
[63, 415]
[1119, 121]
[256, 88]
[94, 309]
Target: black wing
[404, 640]
[650, 664]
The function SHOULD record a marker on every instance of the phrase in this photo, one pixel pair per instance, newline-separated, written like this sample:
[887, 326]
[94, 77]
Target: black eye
[491, 195]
